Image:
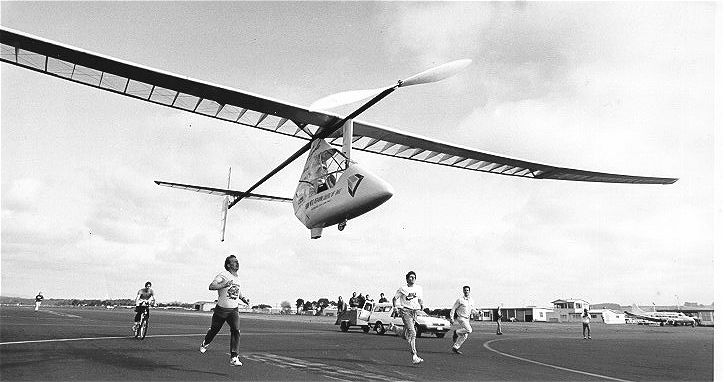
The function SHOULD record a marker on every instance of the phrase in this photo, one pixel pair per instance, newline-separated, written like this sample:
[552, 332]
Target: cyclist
[144, 298]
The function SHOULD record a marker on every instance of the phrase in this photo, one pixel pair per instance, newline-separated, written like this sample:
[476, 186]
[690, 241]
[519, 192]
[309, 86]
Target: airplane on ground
[662, 318]
[333, 188]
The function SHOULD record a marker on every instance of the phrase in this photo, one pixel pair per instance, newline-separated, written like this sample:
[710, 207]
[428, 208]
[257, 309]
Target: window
[330, 165]
[578, 305]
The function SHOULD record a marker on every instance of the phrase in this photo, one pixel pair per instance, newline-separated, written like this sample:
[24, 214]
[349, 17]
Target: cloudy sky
[614, 87]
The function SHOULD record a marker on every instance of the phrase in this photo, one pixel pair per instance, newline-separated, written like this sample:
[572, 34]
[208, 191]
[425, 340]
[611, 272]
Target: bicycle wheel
[143, 328]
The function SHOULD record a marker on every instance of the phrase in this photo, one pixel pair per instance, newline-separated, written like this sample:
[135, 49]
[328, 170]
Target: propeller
[431, 75]
[435, 74]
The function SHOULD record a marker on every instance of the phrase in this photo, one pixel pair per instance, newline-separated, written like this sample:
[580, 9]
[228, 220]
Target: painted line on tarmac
[487, 346]
[322, 369]
[148, 336]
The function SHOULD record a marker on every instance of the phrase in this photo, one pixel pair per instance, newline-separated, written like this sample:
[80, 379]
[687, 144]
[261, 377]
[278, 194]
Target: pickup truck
[383, 316]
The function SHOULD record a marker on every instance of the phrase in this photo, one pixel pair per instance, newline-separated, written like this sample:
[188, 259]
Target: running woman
[407, 301]
[228, 286]
[461, 310]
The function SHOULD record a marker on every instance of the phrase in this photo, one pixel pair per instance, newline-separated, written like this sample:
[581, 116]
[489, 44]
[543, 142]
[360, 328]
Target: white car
[383, 315]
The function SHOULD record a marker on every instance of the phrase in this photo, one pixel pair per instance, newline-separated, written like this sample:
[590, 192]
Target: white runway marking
[549, 365]
[59, 314]
[148, 336]
[328, 371]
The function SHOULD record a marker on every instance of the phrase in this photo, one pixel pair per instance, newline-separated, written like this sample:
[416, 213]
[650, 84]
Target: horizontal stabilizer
[223, 192]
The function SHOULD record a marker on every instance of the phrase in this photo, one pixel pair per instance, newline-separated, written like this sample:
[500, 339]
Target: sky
[615, 87]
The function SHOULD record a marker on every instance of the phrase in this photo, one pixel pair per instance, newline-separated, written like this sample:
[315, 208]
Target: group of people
[358, 301]
[408, 300]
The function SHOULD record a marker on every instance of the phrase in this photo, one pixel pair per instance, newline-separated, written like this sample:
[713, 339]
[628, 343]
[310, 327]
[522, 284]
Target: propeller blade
[437, 73]
[344, 98]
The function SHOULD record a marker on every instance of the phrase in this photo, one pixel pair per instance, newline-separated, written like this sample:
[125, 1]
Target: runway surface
[85, 344]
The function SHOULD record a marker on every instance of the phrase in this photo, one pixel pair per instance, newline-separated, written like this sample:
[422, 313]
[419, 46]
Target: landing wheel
[366, 328]
[143, 329]
[341, 225]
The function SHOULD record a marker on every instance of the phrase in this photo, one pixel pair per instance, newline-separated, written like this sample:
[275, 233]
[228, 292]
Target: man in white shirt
[227, 308]
[586, 320]
[407, 301]
[461, 310]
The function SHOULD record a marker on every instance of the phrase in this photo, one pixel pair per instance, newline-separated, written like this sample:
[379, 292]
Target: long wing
[216, 101]
[386, 141]
[224, 192]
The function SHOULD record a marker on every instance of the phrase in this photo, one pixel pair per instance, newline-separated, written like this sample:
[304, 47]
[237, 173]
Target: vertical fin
[225, 208]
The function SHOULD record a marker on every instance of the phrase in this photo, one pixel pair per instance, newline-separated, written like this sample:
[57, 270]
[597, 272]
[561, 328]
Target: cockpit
[328, 167]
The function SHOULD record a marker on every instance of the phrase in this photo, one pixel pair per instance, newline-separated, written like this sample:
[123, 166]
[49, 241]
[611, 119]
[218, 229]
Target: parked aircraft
[671, 318]
[333, 188]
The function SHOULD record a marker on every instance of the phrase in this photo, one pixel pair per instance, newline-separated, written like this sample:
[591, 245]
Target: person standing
[38, 299]
[407, 301]
[586, 319]
[500, 317]
[461, 310]
[143, 301]
[341, 308]
[353, 300]
[228, 286]
[382, 298]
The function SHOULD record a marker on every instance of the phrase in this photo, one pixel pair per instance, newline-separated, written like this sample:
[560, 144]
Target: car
[383, 316]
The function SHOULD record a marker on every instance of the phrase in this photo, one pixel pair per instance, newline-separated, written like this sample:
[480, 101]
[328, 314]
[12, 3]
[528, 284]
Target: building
[204, 306]
[607, 316]
[568, 310]
[523, 314]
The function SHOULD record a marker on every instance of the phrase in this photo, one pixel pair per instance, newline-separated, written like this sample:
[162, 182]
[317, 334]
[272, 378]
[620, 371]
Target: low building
[607, 316]
[204, 306]
[522, 314]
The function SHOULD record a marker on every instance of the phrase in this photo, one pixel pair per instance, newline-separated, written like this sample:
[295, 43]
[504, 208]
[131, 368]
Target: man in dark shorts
[144, 298]
[228, 286]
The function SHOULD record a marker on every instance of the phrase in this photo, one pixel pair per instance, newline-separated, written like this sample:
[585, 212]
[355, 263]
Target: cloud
[22, 195]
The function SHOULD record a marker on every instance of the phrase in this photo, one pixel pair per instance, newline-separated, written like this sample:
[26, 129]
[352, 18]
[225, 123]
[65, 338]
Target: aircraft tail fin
[635, 309]
[225, 208]
[231, 197]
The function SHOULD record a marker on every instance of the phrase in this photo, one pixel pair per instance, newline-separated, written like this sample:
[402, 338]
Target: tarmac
[96, 345]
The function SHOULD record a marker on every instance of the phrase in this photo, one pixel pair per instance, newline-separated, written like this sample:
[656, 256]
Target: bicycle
[142, 327]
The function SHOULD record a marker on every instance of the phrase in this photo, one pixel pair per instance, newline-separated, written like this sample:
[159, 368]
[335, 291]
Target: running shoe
[203, 347]
[416, 359]
[234, 361]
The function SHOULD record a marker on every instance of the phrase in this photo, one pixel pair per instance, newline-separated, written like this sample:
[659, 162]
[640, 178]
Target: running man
[38, 300]
[586, 319]
[144, 298]
[461, 310]
[227, 308]
[407, 301]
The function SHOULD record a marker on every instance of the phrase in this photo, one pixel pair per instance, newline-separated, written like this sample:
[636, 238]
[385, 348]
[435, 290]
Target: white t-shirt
[408, 296]
[463, 307]
[229, 296]
[586, 318]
